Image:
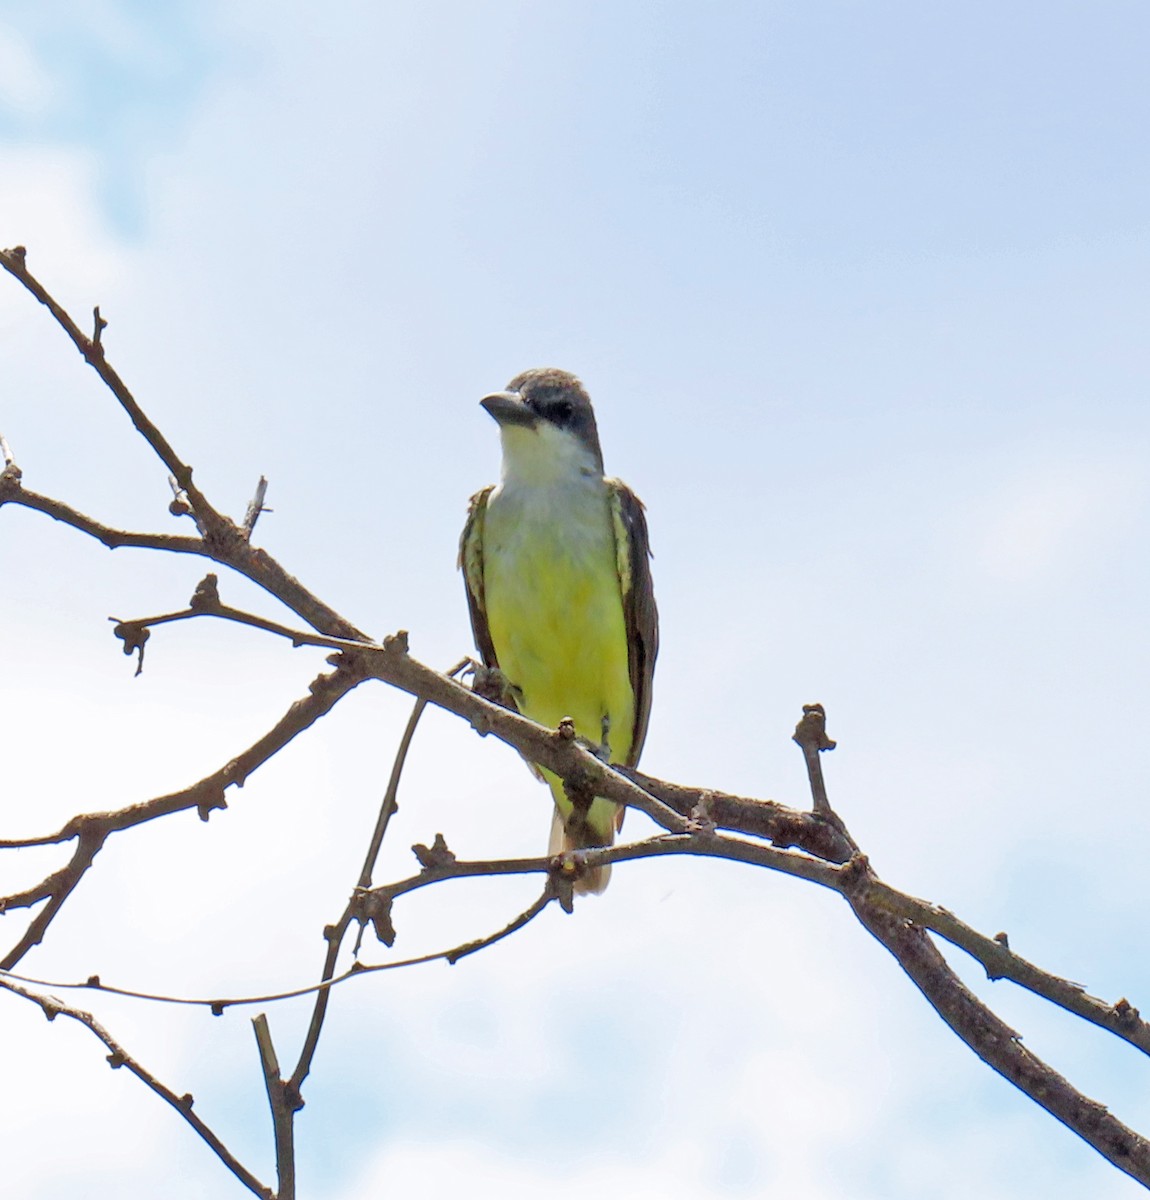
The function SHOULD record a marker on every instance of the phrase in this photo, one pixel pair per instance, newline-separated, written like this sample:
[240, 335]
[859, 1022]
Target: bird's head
[547, 426]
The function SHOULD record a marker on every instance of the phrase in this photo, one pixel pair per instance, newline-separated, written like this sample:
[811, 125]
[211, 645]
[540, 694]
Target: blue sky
[859, 292]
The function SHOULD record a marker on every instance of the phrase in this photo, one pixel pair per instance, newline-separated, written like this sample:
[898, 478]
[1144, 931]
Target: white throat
[545, 456]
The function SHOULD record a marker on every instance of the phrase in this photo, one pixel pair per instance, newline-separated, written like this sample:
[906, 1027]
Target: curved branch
[216, 1005]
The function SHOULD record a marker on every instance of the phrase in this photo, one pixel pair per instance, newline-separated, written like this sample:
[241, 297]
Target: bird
[556, 563]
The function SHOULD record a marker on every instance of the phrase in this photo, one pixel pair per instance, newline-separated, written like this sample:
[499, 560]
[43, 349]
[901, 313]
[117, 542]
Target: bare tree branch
[1121, 1018]
[91, 830]
[973, 1021]
[119, 1057]
[56, 889]
[284, 1102]
[217, 1004]
[12, 493]
[336, 933]
[14, 261]
[206, 603]
[1000, 1047]
[811, 738]
[1000, 962]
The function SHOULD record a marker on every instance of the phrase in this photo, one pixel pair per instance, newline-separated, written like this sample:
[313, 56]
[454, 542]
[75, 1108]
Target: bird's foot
[493, 685]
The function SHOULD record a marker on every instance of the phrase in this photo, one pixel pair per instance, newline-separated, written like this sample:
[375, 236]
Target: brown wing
[633, 554]
[471, 563]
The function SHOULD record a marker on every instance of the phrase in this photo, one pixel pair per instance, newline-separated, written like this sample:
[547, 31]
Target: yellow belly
[555, 612]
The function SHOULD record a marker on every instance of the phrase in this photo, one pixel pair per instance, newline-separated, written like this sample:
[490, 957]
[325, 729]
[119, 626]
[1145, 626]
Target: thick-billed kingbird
[555, 558]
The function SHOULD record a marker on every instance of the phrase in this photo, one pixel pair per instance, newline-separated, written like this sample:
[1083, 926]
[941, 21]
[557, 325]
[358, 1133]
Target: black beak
[508, 409]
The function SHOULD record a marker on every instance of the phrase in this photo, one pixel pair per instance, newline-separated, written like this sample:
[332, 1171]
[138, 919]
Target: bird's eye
[559, 410]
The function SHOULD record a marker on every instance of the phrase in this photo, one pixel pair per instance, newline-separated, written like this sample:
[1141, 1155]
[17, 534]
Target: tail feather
[594, 881]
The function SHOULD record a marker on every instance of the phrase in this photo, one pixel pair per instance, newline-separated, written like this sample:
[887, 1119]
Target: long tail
[595, 880]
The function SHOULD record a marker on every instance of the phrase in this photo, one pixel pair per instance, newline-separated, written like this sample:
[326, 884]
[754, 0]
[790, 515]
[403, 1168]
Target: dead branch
[285, 1103]
[119, 1057]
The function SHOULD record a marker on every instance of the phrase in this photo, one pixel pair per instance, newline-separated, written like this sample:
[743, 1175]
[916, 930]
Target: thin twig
[390, 804]
[336, 933]
[811, 737]
[92, 829]
[297, 637]
[234, 552]
[387, 809]
[12, 493]
[119, 1057]
[283, 1109]
[15, 263]
[526, 917]
[217, 1004]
